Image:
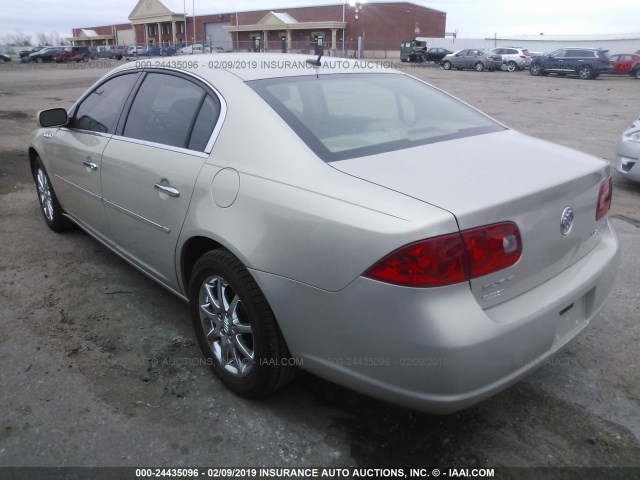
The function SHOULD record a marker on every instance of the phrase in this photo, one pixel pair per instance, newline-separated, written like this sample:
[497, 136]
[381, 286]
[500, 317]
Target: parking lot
[99, 366]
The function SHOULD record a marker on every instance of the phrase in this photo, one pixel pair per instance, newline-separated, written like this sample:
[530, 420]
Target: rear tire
[511, 66]
[236, 328]
[479, 67]
[638, 73]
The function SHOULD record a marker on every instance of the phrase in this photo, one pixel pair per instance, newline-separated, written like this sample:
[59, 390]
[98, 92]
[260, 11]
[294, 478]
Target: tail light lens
[451, 258]
[604, 198]
[492, 248]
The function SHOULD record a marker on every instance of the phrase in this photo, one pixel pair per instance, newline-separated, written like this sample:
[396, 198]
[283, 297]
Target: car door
[150, 168]
[555, 61]
[76, 151]
[460, 59]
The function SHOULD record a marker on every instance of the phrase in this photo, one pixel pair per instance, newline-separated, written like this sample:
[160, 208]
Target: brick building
[339, 29]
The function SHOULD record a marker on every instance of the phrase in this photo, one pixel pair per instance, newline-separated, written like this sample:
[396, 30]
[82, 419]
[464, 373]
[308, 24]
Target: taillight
[604, 198]
[451, 258]
[492, 247]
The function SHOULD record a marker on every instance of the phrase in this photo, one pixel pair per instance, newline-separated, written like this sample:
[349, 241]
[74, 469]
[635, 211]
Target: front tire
[236, 328]
[535, 69]
[585, 73]
[49, 204]
[446, 65]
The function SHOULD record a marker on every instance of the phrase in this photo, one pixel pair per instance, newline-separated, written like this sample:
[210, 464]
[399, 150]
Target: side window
[166, 109]
[205, 122]
[100, 110]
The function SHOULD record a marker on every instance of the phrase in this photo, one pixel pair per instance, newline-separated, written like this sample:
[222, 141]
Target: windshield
[346, 116]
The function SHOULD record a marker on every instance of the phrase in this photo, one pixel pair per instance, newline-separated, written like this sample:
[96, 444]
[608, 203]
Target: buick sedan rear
[338, 218]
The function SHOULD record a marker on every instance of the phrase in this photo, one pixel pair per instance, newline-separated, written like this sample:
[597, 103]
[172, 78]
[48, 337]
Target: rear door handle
[168, 189]
[90, 165]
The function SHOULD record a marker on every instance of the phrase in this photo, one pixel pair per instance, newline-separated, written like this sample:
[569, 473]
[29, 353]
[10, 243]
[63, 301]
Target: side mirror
[53, 117]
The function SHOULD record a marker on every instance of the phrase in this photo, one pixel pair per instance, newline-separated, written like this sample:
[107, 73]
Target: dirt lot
[99, 366]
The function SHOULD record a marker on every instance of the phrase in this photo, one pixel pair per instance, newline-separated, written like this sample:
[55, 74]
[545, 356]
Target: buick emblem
[566, 221]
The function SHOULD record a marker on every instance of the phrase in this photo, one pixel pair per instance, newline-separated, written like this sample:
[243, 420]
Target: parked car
[418, 55]
[585, 63]
[152, 51]
[216, 49]
[622, 63]
[135, 51]
[628, 152]
[514, 58]
[105, 51]
[435, 54]
[4, 58]
[475, 58]
[195, 49]
[168, 51]
[72, 54]
[45, 55]
[316, 244]
[24, 54]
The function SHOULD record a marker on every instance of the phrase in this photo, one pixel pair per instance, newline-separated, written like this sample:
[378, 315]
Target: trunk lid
[499, 177]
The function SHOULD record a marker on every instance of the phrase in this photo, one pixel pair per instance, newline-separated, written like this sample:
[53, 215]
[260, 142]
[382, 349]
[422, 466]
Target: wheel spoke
[241, 347]
[220, 300]
[243, 328]
[225, 349]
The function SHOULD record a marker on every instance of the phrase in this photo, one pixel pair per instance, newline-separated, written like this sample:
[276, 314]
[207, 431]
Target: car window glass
[341, 117]
[164, 110]
[557, 54]
[100, 110]
[205, 122]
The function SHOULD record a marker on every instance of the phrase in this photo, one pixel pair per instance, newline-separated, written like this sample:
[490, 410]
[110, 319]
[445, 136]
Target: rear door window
[169, 110]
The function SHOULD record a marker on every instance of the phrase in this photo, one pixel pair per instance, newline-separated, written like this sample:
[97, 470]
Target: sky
[470, 18]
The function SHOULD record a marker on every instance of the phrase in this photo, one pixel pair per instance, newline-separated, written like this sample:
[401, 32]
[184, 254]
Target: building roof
[568, 38]
[284, 17]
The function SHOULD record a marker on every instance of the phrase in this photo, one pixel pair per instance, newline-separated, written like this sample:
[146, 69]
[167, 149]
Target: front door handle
[168, 189]
[90, 165]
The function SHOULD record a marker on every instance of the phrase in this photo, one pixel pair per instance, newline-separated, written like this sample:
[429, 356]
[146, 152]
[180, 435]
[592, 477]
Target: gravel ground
[99, 365]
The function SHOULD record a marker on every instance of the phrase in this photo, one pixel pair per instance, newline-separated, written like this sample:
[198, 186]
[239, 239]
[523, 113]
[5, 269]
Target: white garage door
[216, 36]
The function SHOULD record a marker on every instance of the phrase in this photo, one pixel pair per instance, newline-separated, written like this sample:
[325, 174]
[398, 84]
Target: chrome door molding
[138, 217]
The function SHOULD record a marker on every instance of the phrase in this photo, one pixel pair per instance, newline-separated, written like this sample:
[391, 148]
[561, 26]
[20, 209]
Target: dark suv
[586, 63]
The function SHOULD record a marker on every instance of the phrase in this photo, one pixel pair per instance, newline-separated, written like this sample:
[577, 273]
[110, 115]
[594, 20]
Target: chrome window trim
[162, 146]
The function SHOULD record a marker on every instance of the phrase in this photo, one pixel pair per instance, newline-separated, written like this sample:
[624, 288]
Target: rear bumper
[435, 349]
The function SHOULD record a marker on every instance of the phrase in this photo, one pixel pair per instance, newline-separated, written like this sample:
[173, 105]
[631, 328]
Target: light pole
[357, 6]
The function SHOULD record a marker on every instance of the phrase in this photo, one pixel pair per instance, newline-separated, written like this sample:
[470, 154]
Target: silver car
[474, 58]
[628, 152]
[337, 217]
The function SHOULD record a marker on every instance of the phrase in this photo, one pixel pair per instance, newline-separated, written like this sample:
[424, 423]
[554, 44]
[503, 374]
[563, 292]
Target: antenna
[316, 62]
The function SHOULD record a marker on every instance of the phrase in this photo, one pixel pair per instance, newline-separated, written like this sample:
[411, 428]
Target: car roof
[256, 66]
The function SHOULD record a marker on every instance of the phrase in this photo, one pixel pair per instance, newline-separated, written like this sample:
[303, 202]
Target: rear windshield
[345, 116]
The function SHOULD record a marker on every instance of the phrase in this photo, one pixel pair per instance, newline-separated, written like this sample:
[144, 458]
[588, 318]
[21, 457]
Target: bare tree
[42, 38]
